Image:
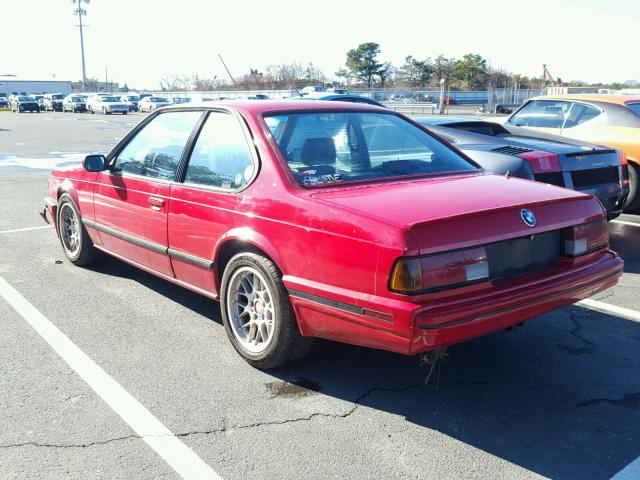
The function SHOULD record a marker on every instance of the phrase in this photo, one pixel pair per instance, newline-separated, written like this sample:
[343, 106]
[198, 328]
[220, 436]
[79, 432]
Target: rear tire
[633, 200]
[76, 243]
[255, 305]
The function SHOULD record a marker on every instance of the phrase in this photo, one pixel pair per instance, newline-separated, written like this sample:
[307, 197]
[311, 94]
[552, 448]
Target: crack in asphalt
[70, 445]
[628, 400]
[357, 403]
[588, 347]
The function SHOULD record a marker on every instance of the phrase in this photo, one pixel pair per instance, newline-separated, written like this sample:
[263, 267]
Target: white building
[15, 86]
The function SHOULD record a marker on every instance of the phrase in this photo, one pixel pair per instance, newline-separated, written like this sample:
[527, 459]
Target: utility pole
[225, 67]
[79, 12]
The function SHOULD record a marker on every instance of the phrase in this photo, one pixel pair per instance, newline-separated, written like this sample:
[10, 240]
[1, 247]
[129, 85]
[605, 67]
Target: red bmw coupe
[325, 219]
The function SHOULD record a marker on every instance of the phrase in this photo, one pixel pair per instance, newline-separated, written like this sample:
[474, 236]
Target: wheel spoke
[250, 309]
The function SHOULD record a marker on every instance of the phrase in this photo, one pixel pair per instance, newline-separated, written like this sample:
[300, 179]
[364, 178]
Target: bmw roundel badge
[528, 217]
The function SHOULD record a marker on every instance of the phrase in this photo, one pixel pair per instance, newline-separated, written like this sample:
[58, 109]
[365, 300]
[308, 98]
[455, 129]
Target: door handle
[156, 203]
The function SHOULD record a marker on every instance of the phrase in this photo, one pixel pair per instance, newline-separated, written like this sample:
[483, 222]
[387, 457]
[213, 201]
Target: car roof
[446, 120]
[594, 97]
[257, 107]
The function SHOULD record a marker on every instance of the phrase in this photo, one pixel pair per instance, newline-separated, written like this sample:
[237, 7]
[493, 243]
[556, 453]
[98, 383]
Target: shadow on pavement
[625, 240]
[559, 396]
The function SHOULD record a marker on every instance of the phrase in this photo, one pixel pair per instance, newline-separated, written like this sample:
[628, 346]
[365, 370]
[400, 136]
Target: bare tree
[172, 83]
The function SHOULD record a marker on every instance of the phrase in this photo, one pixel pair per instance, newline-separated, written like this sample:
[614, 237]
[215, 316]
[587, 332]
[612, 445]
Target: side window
[541, 113]
[221, 156]
[580, 113]
[156, 150]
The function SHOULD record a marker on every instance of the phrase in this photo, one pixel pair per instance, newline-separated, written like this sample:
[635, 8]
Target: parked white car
[106, 104]
[312, 89]
[149, 104]
[131, 100]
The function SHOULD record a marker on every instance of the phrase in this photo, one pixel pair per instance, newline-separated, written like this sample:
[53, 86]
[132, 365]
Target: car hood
[461, 211]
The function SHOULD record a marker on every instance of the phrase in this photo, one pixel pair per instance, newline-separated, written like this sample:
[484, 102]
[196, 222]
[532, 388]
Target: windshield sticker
[321, 179]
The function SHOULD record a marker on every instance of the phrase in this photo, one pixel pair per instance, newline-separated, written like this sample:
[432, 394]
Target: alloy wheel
[251, 310]
[69, 229]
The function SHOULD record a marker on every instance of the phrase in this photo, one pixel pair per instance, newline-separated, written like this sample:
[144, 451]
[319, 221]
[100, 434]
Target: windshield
[634, 107]
[336, 147]
[23, 98]
[77, 99]
[57, 97]
[159, 99]
[110, 99]
[132, 98]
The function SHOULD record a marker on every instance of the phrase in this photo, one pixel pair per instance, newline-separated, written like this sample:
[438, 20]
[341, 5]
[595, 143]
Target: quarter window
[156, 150]
[580, 113]
[221, 156]
[541, 113]
[634, 107]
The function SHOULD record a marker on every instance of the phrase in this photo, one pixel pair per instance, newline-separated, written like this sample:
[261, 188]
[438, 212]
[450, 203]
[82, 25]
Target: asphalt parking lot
[557, 398]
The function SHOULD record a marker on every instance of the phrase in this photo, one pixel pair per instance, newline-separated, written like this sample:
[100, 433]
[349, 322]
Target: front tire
[257, 314]
[76, 243]
[633, 200]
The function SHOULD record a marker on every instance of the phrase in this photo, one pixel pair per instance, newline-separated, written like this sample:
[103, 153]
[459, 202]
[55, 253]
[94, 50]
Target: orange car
[611, 120]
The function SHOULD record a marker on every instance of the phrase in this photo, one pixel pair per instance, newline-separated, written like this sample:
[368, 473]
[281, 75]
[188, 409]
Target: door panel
[136, 230]
[197, 220]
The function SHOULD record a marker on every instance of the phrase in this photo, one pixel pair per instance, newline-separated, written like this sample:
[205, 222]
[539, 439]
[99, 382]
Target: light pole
[80, 12]
[441, 108]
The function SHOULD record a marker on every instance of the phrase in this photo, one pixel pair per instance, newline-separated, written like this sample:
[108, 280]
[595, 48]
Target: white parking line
[623, 222]
[179, 456]
[15, 230]
[608, 308]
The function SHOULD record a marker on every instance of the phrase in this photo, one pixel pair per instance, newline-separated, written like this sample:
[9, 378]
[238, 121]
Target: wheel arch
[239, 240]
[69, 188]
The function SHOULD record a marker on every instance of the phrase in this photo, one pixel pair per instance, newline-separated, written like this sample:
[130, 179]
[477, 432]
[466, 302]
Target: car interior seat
[319, 153]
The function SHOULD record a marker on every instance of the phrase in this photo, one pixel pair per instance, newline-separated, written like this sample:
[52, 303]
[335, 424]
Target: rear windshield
[158, 99]
[634, 107]
[335, 147]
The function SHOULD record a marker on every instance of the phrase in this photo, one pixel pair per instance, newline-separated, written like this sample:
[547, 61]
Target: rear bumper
[412, 327]
[471, 317]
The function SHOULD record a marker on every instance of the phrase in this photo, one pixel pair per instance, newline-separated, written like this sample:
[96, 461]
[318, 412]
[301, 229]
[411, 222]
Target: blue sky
[141, 41]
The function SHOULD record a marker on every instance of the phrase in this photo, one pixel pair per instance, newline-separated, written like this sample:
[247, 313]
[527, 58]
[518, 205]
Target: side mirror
[94, 163]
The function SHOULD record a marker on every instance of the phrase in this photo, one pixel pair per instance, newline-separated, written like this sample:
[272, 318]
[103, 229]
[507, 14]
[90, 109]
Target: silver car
[107, 104]
[150, 104]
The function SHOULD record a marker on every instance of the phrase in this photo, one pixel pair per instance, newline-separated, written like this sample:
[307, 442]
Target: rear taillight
[625, 175]
[542, 162]
[623, 158]
[585, 238]
[433, 272]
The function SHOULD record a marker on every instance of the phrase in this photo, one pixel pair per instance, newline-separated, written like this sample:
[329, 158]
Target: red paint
[341, 242]
[542, 162]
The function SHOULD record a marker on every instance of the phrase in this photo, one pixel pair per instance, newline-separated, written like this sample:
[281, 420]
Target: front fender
[69, 188]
